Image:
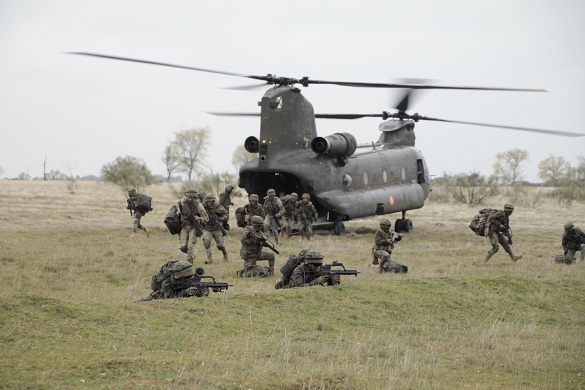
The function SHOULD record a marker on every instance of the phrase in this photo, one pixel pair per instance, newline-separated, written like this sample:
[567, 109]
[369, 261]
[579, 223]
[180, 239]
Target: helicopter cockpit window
[276, 104]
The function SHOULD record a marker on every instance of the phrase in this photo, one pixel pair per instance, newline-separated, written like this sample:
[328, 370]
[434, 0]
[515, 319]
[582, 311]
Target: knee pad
[206, 243]
[221, 248]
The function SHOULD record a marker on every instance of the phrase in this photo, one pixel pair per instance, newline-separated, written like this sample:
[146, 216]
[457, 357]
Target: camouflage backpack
[240, 217]
[173, 220]
[481, 221]
[164, 273]
[293, 262]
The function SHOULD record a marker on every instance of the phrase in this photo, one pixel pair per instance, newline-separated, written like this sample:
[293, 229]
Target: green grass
[68, 321]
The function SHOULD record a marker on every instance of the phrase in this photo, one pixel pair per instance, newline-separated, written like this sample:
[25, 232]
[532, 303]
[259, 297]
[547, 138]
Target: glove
[191, 292]
[323, 280]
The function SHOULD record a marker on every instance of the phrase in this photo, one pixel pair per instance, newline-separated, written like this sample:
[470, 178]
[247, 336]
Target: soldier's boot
[488, 257]
[183, 249]
[209, 259]
[515, 258]
[148, 231]
[225, 254]
[133, 235]
[271, 271]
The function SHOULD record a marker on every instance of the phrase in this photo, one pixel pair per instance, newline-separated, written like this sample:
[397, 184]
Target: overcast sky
[83, 112]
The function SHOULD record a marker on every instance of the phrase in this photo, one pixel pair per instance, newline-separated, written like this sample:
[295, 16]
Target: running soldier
[217, 215]
[499, 233]
[252, 209]
[252, 251]
[290, 209]
[226, 201]
[306, 214]
[132, 199]
[192, 212]
[384, 241]
[274, 210]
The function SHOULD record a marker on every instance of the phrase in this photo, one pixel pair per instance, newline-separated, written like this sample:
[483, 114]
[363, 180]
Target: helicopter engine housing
[338, 145]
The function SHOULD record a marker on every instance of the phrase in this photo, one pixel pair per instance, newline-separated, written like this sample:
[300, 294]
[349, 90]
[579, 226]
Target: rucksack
[173, 220]
[293, 262]
[481, 220]
[164, 273]
[240, 217]
[143, 203]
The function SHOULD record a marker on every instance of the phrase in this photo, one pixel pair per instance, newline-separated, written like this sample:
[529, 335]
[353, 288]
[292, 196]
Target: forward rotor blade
[529, 129]
[305, 81]
[233, 113]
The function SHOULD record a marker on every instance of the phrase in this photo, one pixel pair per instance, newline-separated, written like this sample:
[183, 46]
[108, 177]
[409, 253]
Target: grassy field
[69, 275]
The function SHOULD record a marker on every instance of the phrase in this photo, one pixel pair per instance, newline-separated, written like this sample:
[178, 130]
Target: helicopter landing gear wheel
[398, 226]
[403, 226]
[338, 228]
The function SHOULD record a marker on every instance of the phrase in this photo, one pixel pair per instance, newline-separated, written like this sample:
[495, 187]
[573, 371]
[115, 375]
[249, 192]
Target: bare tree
[170, 158]
[2, 171]
[472, 188]
[191, 148]
[45, 169]
[554, 170]
[507, 167]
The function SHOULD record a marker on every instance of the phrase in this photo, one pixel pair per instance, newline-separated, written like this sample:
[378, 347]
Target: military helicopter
[345, 180]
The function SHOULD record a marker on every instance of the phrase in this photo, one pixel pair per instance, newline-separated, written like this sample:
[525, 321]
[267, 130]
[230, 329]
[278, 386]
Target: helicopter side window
[420, 168]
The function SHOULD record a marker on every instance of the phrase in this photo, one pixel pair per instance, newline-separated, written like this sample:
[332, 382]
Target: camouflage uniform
[177, 285]
[252, 209]
[225, 200]
[251, 250]
[274, 210]
[210, 230]
[306, 214]
[190, 206]
[290, 208]
[308, 272]
[382, 250]
[132, 199]
[573, 242]
[498, 230]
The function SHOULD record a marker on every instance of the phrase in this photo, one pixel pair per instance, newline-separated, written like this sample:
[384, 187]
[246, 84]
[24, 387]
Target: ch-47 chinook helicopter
[345, 180]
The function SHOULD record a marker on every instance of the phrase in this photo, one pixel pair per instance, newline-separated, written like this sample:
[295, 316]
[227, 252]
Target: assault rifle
[214, 219]
[262, 240]
[328, 270]
[196, 225]
[395, 237]
[215, 286]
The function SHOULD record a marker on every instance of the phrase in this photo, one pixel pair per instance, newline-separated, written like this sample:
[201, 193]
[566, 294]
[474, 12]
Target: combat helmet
[508, 207]
[569, 225]
[271, 192]
[294, 195]
[313, 257]
[182, 269]
[257, 220]
[229, 188]
[254, 197]
[131, 191]
[209, 197]
[385, 222]
[191, 193]
[306, 196]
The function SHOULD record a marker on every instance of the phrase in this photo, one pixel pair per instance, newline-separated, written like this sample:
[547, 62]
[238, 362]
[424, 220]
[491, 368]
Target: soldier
[499, 232]
[211, 229]
[306, 214]
[290, 209]
[177, 285]
[252, 252]
[252, 209]
[132, 198]
[191, 213]
[274, 210]
[573, 242]
[226, 201]
[383, 244]
[308, 273]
